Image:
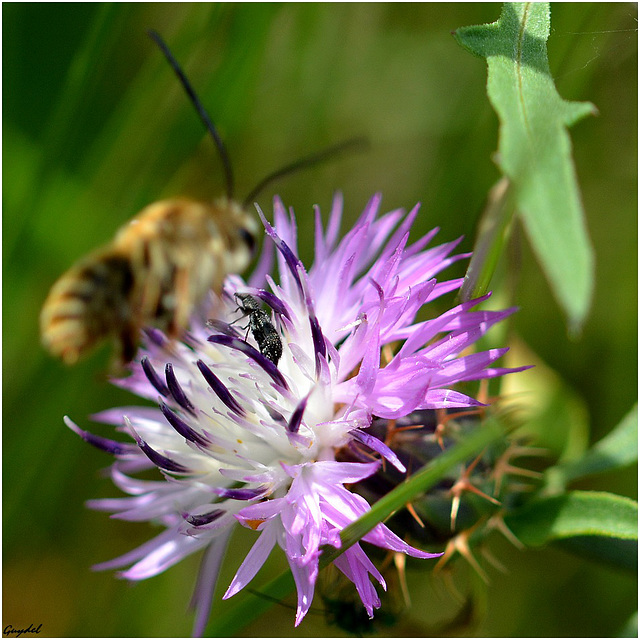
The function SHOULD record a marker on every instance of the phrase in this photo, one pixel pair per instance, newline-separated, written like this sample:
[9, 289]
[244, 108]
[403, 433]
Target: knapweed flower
[240, 436]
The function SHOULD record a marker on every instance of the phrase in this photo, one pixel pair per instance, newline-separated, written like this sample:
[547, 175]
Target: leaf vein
[520, 47]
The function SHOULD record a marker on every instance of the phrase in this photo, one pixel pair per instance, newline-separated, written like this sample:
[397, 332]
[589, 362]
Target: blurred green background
[96, 126]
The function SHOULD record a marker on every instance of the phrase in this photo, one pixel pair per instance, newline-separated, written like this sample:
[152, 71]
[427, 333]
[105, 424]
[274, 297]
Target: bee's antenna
[354, 144]
[204, 116]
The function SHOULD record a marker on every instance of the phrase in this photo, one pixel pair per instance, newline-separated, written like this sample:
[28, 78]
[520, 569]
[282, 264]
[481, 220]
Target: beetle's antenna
[353, 144]
[204, 116]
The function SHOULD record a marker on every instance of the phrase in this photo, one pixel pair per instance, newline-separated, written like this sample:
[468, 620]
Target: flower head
[250, 420]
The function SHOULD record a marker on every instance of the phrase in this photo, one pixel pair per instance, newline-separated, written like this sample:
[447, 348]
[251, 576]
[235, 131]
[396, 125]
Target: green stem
[492, 233]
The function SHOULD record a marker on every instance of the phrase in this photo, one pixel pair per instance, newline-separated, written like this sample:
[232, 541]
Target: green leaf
[534, 149]
[614, 552]
[577, 513]
[616, 450]
[630, 629]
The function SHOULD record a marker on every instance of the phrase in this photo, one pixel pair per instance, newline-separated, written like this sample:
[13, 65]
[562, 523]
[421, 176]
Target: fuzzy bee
[159, 266]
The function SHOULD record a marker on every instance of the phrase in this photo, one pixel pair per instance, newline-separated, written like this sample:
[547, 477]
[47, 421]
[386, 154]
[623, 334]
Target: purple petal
[493, 372]
[153, 377]
[273, 301]
[202, 519]
[139, 552]
[172, 551]
[367, 376]
[158, 459]
[176, 390]
[448, 399]
[219, 389]
[264, 266]
[336, 473]
[318, 339]
[105, 444]
[305, 577]
[240, 494]
[291, 260]
[296, 417]
[466, 367]
[333, 226]
[156, 336]
[254, 354]
[253, 562]
[115, 416]
[202, 598]
[321, 247]
[383, 537]
[183, 428]
[355, 564]
[222, 327]
[379, 447]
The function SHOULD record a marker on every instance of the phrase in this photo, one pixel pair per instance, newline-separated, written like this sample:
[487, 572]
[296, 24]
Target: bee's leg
[183, 303]
[149, 261]
[127, 346]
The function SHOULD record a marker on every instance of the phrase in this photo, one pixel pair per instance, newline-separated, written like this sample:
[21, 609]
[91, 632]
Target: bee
[160, 265]
[262, 329]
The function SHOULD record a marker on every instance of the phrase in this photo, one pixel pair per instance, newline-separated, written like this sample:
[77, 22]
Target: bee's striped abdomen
[157, 270]
[87, 304]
